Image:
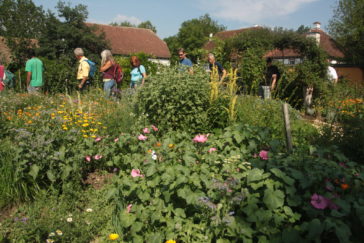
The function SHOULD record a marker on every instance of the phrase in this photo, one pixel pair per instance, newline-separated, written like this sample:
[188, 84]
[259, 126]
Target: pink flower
[319, 202]
[155, 128]
[212, 150]
[88, 158]
[128, 208]
[97, 156]
[146, 130]
[342, 164]
[116, 140]
[136, 173]
[98, 139]
[200, 138]
[141, 137]
[263, 154]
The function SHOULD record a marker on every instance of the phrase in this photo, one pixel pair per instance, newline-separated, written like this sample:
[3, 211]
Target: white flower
[59, 232]
[49, 241]
[89, 210]
[154, 155]
[51, 234]
[69, 220]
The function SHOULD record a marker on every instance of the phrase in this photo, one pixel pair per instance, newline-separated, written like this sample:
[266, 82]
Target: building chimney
[316, 25]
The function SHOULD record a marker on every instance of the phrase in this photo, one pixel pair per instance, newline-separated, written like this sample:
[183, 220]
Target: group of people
[138, 75]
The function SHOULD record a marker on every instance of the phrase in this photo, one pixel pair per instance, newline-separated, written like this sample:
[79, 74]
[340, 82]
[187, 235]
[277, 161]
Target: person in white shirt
[332, 74]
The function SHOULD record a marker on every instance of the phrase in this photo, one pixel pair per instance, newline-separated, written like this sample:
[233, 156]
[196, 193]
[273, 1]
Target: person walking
[137, 73]
[272, 76]
[34, 69]
[213, 64]
[184, 62]
[108, 69]
[83, 70]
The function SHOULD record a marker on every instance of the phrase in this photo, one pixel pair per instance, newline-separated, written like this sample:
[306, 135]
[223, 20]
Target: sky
[168, 15]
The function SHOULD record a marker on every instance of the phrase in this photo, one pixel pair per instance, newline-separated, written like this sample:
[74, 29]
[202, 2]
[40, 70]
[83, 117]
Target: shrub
[176, 100]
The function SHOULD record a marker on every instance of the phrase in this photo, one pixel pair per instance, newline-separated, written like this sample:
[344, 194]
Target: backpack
[118, 73]
[9, 80]
[92, 65]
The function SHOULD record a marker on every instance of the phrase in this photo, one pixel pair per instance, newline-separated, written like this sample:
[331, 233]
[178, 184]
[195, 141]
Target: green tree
[303, 29]
[347, 27]
[145, 25]
[193, 34]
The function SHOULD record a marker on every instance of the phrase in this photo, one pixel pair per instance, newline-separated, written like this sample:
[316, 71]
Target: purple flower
[319, 202]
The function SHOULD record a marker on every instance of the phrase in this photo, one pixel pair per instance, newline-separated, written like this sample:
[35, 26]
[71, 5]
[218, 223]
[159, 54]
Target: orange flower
[158, 144]
[344, 186]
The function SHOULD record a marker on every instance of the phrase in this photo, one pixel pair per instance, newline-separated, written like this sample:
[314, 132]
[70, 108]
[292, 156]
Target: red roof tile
[223, 35]
[328, 44]
[129, 40]
[282, 53]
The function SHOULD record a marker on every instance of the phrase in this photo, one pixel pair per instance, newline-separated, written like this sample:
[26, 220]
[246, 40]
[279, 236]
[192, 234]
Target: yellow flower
[85, 125]
[170, 241]
[93, 136]
[29, 122]
[85, 136]
[171, 145]
[65, 128]
[60, 112]
[113, 236]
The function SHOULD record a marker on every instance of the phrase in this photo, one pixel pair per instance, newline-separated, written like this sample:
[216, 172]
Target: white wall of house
[165, 62]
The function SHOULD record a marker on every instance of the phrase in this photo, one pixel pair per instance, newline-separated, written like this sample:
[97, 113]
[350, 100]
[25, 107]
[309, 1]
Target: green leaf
[127, 219]
[315, 229]
[66, 170]
[180, 212]
[273, 199]
[50, 176]
[277, 172]
[34, 169]
[255, 175]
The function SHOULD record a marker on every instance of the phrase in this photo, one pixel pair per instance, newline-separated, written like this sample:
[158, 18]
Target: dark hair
[269, 60]
[30, 53]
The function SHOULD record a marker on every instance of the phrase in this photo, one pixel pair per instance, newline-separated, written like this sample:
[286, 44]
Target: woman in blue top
[138, 74]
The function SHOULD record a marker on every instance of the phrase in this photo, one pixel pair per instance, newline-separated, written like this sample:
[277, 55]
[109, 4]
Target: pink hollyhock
[128, 208]
[136, 173]
[263, 154]
[319, 202]
[141, 137]
[155, 128]
[146, 130]
[212, 150]
[97, 156]
[98, 139]
[200, 138]
[88, 158]
[116, 140]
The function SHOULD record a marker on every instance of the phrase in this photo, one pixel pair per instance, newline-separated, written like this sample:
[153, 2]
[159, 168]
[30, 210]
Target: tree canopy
[193, 34]
[347, 27]
[146, 25]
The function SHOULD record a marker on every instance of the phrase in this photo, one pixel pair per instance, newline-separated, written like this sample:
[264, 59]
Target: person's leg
[108, 86]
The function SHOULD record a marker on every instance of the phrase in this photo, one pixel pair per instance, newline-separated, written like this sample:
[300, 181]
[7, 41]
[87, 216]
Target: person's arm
[106, 66]
[274, 81]
[29, 77]
[85, 67]
[144, 73]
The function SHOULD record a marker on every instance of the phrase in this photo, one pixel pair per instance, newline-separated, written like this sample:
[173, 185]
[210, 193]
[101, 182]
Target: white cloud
[252, 11]
[121, 18]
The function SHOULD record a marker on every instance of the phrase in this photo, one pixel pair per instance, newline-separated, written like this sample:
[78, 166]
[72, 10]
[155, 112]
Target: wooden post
[287, 126]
